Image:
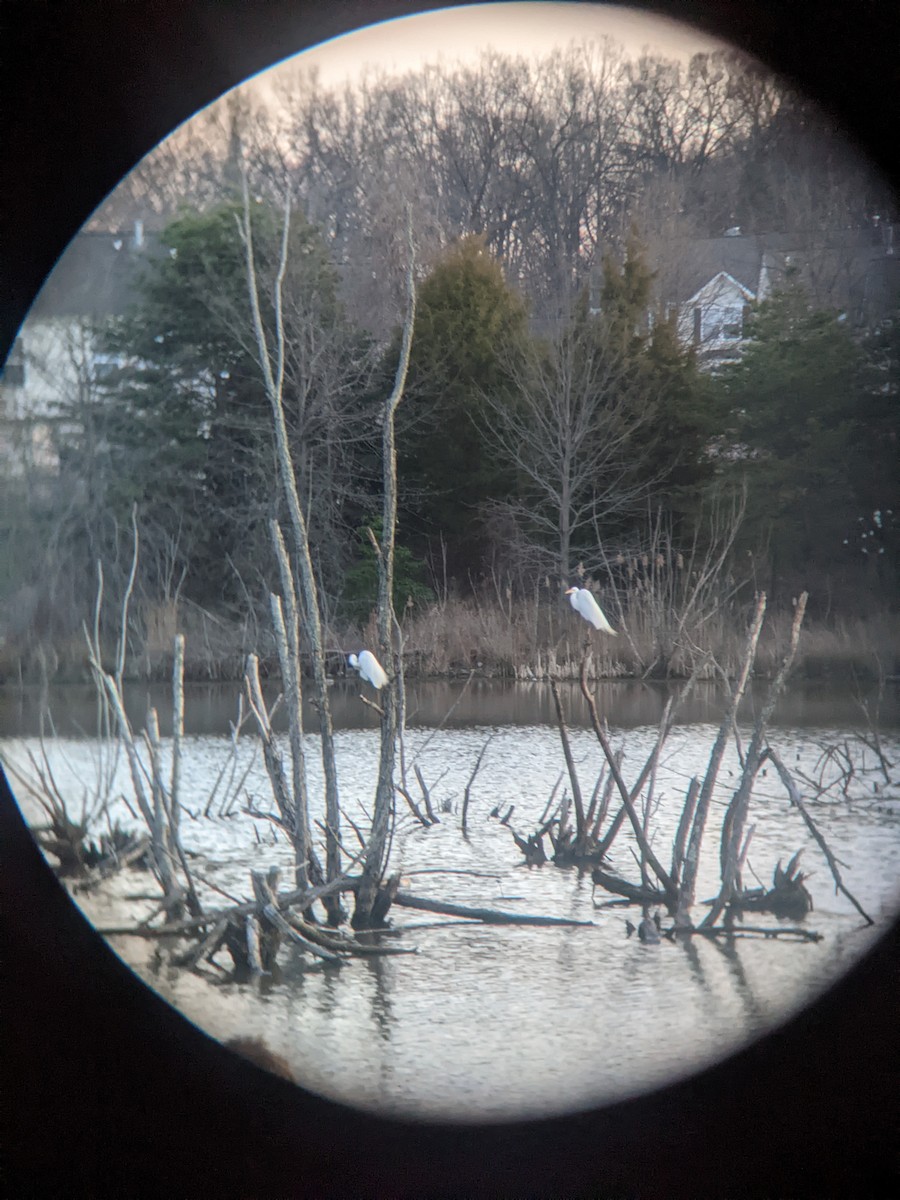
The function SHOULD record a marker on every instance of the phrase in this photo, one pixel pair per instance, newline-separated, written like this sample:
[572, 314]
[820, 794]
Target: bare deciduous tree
[391, 716]
[272, 365]
[570, 433]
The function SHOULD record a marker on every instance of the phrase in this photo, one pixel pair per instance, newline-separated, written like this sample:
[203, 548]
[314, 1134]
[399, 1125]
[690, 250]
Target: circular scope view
[450, 643]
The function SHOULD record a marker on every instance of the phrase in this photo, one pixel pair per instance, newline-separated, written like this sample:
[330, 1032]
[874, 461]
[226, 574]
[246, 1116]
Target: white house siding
[712, 320]
[57, 354]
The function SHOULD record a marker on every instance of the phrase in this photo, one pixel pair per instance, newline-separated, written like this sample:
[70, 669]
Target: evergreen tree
[469, 322]
[361, 580]
[794, 401]
[187, 422]
[677, 459]
[873, 539]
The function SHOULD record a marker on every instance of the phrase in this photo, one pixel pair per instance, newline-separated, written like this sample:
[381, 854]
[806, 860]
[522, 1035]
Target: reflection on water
[209, 708]
[494, 1022]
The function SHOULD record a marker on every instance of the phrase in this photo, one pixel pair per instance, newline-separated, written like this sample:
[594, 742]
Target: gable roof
[710, 286]
[702, 259]
[96, 276]
[854, 269]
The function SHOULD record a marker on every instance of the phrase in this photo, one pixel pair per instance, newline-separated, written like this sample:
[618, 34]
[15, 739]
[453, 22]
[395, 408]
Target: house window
[732, 323]
[106, 366]
[12, 373]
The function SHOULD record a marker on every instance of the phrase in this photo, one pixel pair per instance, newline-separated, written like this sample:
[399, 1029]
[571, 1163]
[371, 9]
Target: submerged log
[384, 898]
[342, 943]
[793, 903]
[300, 898]
[134, 851]
[532, 847]
[204, 949]
[788, 897]
[621, 887]
[274, 916]
[797, 801]
[490, 916]
[763, 931]
[571, 851]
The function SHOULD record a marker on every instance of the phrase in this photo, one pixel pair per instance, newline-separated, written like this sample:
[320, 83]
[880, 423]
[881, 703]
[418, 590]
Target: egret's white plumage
[586, 606]
[370, 669]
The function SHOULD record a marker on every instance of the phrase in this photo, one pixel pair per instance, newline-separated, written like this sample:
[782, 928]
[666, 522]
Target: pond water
[209, 708]
[498, 1022]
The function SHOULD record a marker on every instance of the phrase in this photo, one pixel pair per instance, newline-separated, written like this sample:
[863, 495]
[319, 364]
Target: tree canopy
[470, 328]
[187, 419]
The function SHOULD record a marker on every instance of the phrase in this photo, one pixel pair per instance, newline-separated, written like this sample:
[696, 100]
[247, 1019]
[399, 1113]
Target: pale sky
[461, 33]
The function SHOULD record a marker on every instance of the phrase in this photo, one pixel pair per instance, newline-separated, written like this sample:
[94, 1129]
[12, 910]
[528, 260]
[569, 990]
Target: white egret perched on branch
[369, 668]
[586, 606]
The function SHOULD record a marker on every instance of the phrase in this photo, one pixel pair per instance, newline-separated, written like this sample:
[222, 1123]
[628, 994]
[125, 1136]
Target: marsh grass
[535, 638]
[495, 634]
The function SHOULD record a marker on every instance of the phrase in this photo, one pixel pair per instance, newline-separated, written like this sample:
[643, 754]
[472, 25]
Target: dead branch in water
[415, 926]
[433, 818]
[205, 948]
[570, 762]
[342, 942]
[116, 861]
[532, 847]
[446, 717]
[763, 931]
[684, 824]
[290, 931]
[158, 808]
[373, 893]
[413, 807]
[454, 871]
[686, 890]
[736, 813]
[253, 931]
[300, 899]
[627, 797]
[490, 916]
[634, 893]
[665, 728]
[787, 897]
[475, 770]
[796, 800]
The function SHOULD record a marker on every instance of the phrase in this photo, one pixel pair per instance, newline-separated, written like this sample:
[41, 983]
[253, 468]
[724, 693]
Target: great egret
[586, 606]
[370, 669]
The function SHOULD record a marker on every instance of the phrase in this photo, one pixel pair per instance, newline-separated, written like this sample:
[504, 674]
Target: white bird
[369, 668]
[586, 606]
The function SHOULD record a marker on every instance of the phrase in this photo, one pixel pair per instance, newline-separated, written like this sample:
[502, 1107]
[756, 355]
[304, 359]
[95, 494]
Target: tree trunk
[376, 846]
[311, 613]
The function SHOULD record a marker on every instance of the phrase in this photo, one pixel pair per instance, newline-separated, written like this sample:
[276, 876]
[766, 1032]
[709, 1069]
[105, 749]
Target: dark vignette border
[108, 1091]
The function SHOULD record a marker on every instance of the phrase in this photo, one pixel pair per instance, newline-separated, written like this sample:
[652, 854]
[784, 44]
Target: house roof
[719, 283]
[854, 269]
[702, 259]
[96, 276]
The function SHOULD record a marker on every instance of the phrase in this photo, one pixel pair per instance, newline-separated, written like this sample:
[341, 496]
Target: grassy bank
[501, 637]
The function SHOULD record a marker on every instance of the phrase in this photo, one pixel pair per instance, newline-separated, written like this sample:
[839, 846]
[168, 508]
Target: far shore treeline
[556, 429]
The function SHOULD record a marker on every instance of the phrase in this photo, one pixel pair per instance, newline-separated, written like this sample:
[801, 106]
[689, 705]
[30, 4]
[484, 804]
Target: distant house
[55, 353]
[712, 282]
[712, 319]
